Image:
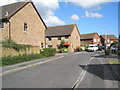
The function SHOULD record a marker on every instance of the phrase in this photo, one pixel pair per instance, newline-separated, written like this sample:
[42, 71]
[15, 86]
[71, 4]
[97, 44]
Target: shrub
[64, 50]
[86, 46]
[48, 52]
[8, 43]
[21, 58]
[107, 52]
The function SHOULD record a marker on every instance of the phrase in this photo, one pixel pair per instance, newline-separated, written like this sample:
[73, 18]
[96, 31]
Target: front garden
[26, 56]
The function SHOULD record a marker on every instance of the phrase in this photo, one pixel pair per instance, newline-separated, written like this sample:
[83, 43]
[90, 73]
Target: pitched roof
[83, 42]
[87, 36]
[13, 8]
[62, 30]
[111, 37]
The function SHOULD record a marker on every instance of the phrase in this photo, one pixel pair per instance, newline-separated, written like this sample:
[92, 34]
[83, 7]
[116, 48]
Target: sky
[89, 15]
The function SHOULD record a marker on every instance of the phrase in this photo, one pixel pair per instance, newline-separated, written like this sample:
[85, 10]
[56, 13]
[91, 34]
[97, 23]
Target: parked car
[114, 48]
[92, 48]
[102, 47]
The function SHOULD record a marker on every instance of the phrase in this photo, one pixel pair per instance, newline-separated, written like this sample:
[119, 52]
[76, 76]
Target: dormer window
[25, 27]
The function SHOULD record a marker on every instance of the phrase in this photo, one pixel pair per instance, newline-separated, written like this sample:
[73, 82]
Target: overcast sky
[94, 16]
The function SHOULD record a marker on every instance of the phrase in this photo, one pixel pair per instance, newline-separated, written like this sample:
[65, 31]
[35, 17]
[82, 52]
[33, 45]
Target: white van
[92, 48]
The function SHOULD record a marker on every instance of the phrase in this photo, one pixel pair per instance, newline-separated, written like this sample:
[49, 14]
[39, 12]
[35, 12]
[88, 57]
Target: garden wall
[13, 52]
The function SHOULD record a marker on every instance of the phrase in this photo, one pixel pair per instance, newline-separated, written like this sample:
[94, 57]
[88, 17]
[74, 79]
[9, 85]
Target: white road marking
[82, 75]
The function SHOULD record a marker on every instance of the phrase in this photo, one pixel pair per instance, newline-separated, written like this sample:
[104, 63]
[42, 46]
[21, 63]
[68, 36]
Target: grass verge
[20, 58]
[113, 61]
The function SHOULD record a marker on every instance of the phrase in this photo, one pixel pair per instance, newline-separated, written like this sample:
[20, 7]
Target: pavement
[72, 70]
[114, 67]
[99, 75]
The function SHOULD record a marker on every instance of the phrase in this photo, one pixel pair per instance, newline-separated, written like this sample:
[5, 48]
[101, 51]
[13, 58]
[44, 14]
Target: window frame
[59, 38]
[42, 45]
[25, 27]
[3, 25]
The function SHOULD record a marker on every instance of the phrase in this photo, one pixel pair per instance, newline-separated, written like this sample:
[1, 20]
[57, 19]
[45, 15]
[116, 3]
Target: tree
[114, 43]
[62, 42]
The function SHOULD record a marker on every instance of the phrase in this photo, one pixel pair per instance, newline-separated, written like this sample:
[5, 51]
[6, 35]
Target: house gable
[35, 34]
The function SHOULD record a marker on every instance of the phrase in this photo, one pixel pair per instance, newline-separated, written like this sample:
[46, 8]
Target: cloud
[53, 20]
[46, 9]
[94, 15]
[75, 17]
[88, 3]
[4, 2]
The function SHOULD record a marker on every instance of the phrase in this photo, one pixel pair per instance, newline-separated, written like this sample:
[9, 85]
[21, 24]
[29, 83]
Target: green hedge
[21, 58]
[107, 52]
[48, 52]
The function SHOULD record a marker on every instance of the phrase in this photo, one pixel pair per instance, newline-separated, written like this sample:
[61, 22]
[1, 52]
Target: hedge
[48, 52]
[107, 51]
[21, 58]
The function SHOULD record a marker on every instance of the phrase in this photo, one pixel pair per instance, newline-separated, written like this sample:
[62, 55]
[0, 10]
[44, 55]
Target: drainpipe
[9, 29]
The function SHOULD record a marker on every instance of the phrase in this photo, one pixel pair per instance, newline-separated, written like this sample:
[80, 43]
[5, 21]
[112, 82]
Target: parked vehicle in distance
[92, 48]
[103, 47]
[114, 48]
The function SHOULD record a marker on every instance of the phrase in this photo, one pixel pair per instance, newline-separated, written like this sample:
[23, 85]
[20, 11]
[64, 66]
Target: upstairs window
[59, 38]
[1, 25]
[25, 27]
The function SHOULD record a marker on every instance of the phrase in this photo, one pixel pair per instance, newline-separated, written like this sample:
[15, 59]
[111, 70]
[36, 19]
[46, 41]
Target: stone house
[108, 39]
[90, 38]
[22, 23]
[69, 33]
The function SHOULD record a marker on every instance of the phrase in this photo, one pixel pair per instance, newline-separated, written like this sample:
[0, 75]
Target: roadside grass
[10, 60]
[21, 58]
[114, 61]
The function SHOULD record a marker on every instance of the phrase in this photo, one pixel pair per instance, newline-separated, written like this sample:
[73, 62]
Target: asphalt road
[78, 70]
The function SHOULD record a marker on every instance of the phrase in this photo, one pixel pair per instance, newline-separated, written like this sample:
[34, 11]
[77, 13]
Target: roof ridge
[89, 33]
[62, 25]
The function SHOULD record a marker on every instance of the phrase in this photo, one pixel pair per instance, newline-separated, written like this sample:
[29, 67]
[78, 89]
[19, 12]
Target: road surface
[74, 70]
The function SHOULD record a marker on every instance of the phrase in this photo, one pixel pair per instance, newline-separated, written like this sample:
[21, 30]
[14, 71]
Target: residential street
[74, 70]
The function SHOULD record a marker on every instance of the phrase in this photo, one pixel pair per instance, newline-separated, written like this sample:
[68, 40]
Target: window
[95, 40]
[25, 27]
[1, 25]
[42, 45]
[66, 37]
[59, 38]
[49, 38]
[50, 46]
